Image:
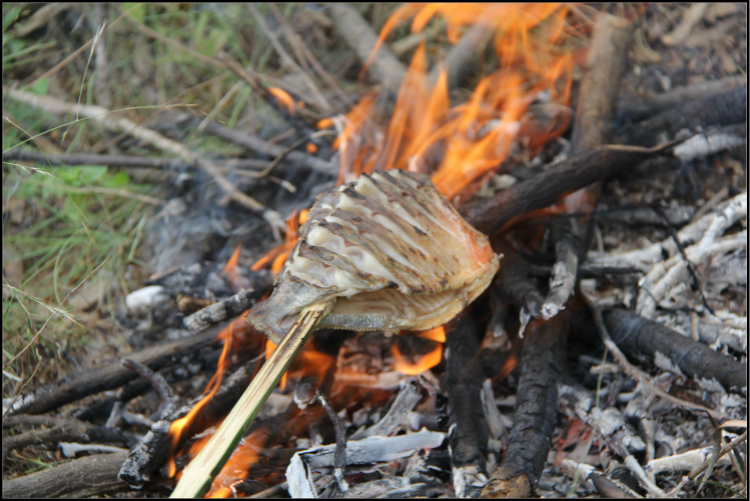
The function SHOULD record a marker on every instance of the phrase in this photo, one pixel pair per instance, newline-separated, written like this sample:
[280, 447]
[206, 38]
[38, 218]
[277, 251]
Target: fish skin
[441, 263]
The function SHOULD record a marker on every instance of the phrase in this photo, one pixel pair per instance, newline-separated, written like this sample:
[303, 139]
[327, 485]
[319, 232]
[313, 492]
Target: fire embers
[390, 250]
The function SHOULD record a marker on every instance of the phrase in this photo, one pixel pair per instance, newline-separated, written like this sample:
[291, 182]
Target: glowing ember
[422, 363]
[230, 270]
[523, 102]
[283, 98]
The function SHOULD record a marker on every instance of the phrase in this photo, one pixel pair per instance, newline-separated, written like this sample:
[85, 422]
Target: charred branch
[110, 376]
[151, 452]
[58, 430]
[638, 108]
[564, 274]
[89, 476]
[468, 436]
[727, 108]
[225, 309]
[339, 455]
[535, 412]
[648, 341]
[603, 485]
[577, 171]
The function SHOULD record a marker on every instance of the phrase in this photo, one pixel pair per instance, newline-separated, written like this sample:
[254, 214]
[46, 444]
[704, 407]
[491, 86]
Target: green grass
[60, 223]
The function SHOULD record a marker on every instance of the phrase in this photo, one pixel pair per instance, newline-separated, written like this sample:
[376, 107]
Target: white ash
[146, 298]
[687, 461]
[69, 449]
[375, 449]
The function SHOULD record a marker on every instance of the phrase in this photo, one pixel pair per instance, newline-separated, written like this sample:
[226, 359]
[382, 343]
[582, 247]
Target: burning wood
[388, 252]
[391, 253]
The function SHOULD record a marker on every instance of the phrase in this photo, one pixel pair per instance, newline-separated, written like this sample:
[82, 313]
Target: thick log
[89, 476]
[535, 412]
[464, 378]
[644, 340]
[58, 430]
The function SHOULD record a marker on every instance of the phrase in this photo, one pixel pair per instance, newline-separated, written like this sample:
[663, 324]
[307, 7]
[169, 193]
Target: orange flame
[276, 257]
[270, 346]
[231, 272]
[283, 98]
[471, 140]
[195, 421]
[436, 334]
[238, 465]
[423, 363]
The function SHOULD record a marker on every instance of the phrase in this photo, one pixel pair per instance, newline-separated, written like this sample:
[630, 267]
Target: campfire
[488, 320]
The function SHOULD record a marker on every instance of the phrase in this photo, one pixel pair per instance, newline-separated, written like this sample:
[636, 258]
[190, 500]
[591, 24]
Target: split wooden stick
[198, 475]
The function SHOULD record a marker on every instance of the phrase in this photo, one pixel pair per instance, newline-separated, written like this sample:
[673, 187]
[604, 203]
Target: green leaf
[92, 173]
[68, 176]
[137, 10]
[119, 179]
[40, 88]
[70, 210]
[11, 16]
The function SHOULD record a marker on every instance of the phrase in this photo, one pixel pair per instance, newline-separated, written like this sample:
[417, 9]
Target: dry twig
[120, 124]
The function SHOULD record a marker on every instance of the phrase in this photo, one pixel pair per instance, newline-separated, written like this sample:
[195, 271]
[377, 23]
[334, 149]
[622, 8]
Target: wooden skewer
[198, 475]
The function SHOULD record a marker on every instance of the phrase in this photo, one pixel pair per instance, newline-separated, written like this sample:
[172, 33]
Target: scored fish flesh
[389, 250]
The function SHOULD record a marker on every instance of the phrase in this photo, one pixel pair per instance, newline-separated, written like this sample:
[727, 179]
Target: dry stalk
[121, 124]
[198, 475]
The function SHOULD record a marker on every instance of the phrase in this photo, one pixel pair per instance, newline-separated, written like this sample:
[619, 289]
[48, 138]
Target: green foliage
[40, 88]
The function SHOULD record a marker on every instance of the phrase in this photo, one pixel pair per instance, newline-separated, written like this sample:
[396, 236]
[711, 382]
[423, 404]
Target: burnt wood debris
[585, 332]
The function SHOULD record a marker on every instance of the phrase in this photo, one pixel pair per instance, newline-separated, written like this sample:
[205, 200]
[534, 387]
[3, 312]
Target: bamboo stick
[198, 475]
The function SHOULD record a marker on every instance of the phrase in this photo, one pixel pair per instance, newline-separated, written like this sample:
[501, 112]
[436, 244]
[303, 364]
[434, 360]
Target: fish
[388, 251]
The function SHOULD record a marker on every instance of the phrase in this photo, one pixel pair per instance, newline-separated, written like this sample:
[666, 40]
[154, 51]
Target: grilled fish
[389, 251]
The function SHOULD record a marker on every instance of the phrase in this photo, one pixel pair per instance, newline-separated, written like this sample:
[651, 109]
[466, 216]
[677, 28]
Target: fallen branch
[646, 340]
[727, 108]
[577, 171]
[637, 108]
[84, 159]
[384, 67]
[633, 371]
[464, 56]
[466, 420]
[606, 63]
[535, 412]
[686, 461]
[89, 476]
[109, 376]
